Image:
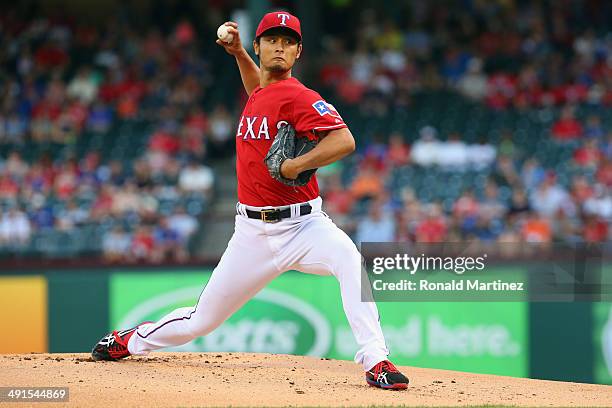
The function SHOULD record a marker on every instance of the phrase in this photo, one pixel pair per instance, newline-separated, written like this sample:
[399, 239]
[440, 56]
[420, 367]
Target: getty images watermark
[465, 272]
[418, 264]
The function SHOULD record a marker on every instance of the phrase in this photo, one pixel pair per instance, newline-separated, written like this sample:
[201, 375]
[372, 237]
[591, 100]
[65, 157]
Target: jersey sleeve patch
[323, 108]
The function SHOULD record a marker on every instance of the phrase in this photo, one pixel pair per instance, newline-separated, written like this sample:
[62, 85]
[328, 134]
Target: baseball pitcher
[286, 131]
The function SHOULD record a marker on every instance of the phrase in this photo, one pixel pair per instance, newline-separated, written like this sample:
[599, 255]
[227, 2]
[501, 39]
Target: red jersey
[286, 101]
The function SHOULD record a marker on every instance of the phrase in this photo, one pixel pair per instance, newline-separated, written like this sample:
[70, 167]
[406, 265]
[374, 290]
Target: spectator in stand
[38, 179]
[197, 178]
[71, 217]
[596, 229]
[100, 119]
[581, 189]
[532, 174]
[594, 129]
[433, 228]
[376, 153]
[377, 226]
[550, 198]
[507, 147]
[454, 64]
[606, 146]
[104, 202]
[116, 245]
[600, 203]
[501, 90]
[425, 149]
[194, 132]
[15, 228]
[183, 224]
[13, 128]
[466, 206]
[481, 155]
[221, 132]
[505, 174]
[567, 128]
[143, 173]
[83, 86]
[604, 173]
[168, 243]
[536, 229]
[42, 215]
[9, 189]
[51, 54]
[588, 155]
[491, 206]
[44, 113]
[412, 211]
[452, 154]
[148, 204]
[126, 200]
[114, 173]
[465, 212]
[486, 229]
[398, 151]
[164, 140]
[338, 200]
[367, 184]
[142, 247]
[473, 84]
[15, 166]
[163, 145]
[66, 181]
[520, 203]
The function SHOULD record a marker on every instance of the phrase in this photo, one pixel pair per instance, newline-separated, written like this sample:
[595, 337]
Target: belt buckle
[264, 216]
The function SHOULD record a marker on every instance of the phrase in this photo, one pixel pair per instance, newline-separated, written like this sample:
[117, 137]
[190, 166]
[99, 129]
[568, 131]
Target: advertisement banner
[23, 311]
[302, 314]
[602, 339]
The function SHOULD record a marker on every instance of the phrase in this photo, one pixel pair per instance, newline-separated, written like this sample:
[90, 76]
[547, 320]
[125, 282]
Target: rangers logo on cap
[279, 19]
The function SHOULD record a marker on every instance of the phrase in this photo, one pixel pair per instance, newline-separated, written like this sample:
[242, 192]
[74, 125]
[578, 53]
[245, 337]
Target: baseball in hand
[224, 35]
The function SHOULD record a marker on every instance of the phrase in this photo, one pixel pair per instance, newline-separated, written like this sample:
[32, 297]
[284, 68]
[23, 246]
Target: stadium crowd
[64, 84]
[547, 58]
[504, 54]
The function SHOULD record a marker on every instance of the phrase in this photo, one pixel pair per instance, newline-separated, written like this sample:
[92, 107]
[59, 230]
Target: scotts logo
[272, 322]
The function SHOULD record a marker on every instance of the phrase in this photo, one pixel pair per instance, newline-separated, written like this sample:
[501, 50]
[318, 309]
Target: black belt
[275, 214]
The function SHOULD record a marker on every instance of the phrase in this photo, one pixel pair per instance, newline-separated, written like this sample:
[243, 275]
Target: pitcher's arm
[249, 71]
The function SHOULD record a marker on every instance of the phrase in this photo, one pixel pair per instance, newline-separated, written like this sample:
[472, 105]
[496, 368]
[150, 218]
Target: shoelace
[116, 338]
[117, 348]
[386, 366]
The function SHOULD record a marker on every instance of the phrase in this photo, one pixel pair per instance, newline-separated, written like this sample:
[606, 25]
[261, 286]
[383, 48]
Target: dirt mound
[221, 379]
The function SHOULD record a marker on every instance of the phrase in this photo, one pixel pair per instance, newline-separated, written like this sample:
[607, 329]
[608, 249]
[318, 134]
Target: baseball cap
[279, 19]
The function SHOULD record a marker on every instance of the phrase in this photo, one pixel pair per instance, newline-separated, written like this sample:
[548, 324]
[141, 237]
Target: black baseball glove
[287, 145]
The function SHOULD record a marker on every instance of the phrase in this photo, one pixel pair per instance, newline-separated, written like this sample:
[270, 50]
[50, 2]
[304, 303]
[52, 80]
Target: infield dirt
[239, 379]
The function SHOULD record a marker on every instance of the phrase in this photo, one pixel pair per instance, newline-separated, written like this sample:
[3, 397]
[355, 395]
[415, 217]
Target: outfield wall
[67, 311]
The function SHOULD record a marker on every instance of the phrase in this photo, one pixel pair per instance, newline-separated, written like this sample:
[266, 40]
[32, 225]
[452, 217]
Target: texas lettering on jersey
[267, 109]
[256, 128]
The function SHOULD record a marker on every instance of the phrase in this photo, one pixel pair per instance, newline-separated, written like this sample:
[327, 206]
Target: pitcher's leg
[244, 269]
[328, 250]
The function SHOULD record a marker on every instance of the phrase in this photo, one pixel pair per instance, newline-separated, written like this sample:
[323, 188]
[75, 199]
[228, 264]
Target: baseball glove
[287, 145]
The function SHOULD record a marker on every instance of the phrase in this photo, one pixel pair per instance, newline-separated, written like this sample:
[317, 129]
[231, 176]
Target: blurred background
[479, 121]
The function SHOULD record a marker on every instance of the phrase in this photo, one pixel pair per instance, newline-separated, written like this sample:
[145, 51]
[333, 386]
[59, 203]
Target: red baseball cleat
[113, 346]
[385, 375]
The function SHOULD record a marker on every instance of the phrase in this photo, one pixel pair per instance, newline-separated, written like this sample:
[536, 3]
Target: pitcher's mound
[221, 379]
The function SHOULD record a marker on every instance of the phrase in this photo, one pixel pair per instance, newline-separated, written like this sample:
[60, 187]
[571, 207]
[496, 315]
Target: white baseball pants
[257, 253]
